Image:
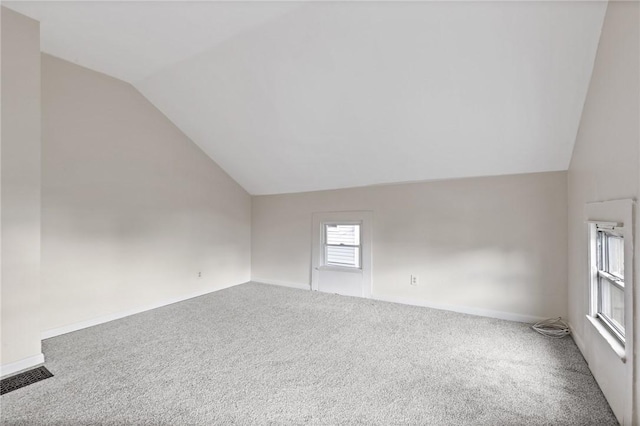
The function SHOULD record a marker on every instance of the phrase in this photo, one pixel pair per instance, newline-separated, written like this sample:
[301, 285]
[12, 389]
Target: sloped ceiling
[290, 97]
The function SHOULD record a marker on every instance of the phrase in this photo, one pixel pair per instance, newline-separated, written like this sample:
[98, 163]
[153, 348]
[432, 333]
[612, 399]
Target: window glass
[615, 255]
[342, 245]
[343, 234]
[610, 281]
[343, 256]
[612, 303]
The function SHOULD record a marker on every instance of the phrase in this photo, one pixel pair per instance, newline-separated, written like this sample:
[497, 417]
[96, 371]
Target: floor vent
[24, 379]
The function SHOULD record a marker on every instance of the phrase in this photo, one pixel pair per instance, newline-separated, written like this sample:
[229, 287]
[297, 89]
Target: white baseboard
[509, 316]
[117, 315]
[24, 364]
[300, 286]
[579, 341]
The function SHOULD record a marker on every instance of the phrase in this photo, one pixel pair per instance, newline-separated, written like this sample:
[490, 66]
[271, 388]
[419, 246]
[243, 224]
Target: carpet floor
[259, 354]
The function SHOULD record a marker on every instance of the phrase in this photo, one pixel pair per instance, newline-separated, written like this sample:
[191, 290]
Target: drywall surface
[604, 167]
[493, 243]
[425, 90]
[132, 210]
[20, 189]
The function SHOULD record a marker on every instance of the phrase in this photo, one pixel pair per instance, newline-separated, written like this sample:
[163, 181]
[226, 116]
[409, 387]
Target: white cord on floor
[556, 328]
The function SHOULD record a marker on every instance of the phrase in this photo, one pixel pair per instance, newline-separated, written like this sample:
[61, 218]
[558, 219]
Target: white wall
[132, 210]
[605, 166]
[20, 192]
[491, 244]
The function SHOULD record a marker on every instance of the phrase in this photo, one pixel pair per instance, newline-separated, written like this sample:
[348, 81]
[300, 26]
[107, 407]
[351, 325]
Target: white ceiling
[131, 40]
[291, 96]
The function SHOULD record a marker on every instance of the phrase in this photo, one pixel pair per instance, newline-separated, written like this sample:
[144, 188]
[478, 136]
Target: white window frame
[325, 245]
[617, 217]
[366, 240]
[598, 233]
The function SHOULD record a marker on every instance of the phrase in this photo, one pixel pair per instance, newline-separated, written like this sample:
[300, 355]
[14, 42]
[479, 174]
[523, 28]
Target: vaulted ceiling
[299, 96]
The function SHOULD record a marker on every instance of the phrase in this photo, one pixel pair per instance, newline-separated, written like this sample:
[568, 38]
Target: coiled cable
[555, 328]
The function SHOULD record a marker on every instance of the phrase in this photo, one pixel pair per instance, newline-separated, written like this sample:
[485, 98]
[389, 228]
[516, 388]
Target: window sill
[615, 345]
[340, 269]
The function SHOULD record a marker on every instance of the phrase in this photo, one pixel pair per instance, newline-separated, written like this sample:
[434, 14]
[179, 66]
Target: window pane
[343, 234]
[343, 256]
[615, 255]
[600, 250]
[612, 303]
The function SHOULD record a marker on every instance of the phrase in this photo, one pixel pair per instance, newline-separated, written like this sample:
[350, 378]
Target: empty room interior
[320, 212]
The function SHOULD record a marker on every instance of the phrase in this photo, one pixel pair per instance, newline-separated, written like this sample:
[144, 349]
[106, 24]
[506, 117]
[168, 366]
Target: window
[342, 245]
[608, 279]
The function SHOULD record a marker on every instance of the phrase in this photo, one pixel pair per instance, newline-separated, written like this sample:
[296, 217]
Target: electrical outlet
[414, 280]
[199, 274]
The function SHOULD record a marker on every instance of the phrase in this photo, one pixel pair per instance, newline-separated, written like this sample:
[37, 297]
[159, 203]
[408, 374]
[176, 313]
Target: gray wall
[20, 179]
[494, 244]
[605, 166]
[132, 210]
